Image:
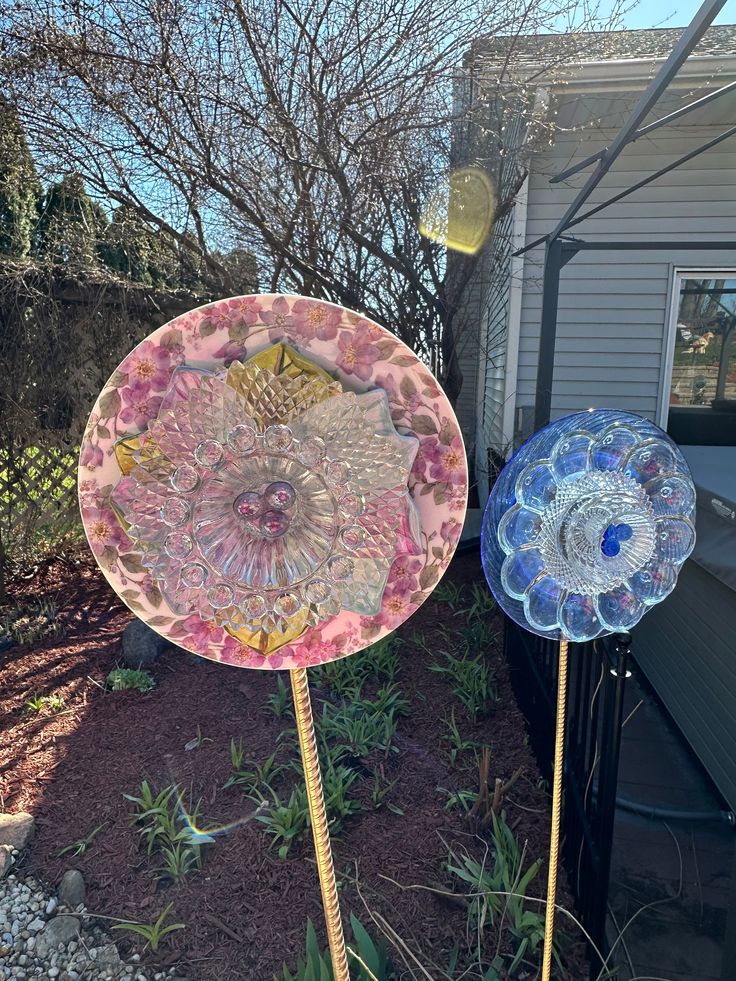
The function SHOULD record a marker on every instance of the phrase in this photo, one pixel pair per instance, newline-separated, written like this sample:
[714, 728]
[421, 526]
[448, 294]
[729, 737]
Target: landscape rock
[141, 645]
[6, 860]
[71, 891]
[67, 947]
[60, 930]
[108, 959]
[16, 830]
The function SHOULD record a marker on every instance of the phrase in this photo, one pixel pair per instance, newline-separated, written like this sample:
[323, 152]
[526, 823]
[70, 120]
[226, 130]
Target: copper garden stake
[554, 841]
[318, 819]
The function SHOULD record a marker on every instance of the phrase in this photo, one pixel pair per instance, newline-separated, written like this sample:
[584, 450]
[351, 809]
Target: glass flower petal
[675, 540]
[673, 494]
[654, 581]
[572, 455]
[376, 460]
[270, 398]
[391, 525]
[536, 486]
[541, 603]
[206, 413]
[363, 592]
[520, 569]
[650, 460]
[519, 526]
[619, 609]
[611, 448]
[183, 381]
[578, 618]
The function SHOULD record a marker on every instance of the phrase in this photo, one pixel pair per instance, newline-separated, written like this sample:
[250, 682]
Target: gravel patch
[42, 938]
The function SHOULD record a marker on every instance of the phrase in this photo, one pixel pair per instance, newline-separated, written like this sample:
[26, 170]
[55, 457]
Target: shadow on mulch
[246, 910]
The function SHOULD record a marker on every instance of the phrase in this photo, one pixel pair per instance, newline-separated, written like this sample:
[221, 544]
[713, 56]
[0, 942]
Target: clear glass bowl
[269, 503]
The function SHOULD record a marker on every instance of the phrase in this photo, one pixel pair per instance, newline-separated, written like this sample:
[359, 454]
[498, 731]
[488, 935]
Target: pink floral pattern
[364, 356]
[358, 352]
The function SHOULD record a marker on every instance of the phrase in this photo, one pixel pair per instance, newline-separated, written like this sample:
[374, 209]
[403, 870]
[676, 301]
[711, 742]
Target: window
[704, 363]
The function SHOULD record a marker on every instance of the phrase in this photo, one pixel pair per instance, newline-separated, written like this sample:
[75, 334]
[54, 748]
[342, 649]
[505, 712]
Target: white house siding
[483, 361]
[484, 318]
[469, 329]
[613, 306]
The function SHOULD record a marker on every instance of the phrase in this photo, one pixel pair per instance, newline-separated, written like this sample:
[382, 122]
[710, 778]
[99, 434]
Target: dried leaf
[110, 404]
[429, 576]
[423, 425]
[171, 339]
[132, 562]
[160, 621]
[154, 596]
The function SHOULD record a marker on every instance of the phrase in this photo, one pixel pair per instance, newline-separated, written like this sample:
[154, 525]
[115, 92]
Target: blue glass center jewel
[612, 538]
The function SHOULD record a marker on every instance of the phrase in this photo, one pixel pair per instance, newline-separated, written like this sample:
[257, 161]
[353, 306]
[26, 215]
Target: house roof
[601, 46]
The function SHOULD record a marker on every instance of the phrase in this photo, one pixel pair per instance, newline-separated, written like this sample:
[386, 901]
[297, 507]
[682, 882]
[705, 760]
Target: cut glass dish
[588, 525]
[268, 500]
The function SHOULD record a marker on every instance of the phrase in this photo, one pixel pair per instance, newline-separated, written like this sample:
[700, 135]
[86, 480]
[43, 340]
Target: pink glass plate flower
[296, 516]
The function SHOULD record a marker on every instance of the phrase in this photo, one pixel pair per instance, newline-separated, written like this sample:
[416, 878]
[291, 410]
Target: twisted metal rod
[318, 818]
[554, 843]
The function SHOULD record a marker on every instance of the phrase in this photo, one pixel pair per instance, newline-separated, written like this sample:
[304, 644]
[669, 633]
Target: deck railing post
[616, 671]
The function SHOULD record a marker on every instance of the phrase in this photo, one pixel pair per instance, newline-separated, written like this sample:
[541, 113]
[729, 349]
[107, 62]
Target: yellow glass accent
[126, 448]
[283, 359]
[459, 212]
[278, 384]
[267, 643]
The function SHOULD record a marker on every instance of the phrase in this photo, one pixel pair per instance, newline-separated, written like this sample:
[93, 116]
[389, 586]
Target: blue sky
[673, 13]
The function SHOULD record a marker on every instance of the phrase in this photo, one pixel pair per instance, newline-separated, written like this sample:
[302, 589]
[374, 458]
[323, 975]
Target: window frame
[680, 273]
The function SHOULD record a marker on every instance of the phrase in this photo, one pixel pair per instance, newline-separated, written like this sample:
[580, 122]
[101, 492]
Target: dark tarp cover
[714, 473]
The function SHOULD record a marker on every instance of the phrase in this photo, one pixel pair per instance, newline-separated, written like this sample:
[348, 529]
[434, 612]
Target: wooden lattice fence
[37, 490]
[60, 340]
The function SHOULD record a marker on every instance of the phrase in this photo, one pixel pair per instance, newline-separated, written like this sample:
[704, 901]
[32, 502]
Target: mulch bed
[246, 910]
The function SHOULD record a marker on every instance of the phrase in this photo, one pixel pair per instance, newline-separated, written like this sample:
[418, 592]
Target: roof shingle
[585, 48]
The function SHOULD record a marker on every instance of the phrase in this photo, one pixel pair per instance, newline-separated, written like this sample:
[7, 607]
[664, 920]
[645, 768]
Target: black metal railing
[597, 675]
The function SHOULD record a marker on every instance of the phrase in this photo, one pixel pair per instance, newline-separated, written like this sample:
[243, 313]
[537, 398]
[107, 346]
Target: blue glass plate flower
[588, 524]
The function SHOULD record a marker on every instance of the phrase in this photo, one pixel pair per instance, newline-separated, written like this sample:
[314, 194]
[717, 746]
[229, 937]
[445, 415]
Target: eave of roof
[605, 57]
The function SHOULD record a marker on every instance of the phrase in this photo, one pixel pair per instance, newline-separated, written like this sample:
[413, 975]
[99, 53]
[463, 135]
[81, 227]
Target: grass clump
[152, 933]
[44, 703]
[37, 620]
[127, 679]
[379, 662]
[498, 896]
[450, 594]
[350, 730]
[472, 681]
[168, 830]
[366, 960]
[286, 820]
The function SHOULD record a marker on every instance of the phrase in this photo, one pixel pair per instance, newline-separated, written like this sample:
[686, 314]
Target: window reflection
[704, 367]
